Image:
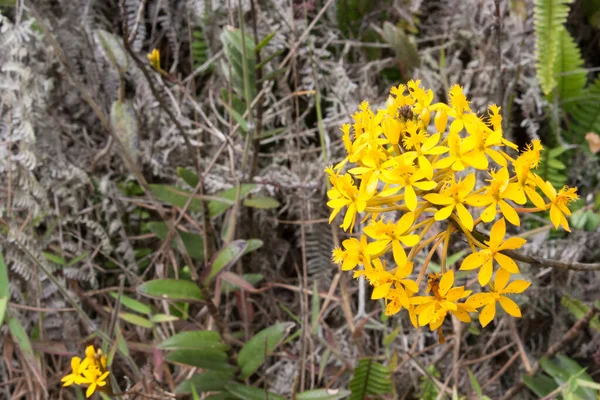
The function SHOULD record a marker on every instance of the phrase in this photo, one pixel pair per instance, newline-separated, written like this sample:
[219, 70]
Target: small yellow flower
[354, 253]
[154, 58]
[77, 368]
[558, 202]
[454, 197]
[497, 294]
[433, 309]
[496, 244]
[95, 379]
[386, 234]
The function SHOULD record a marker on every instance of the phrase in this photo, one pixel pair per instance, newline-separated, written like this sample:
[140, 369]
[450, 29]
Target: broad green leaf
[244, 392]
[225, 258]
[175, 196]
[159, 318]
[216, 208]
[54, 258]
[194, 244]
[195, 394]
[4, 292]
[188, 176]
[212, 359]
[261, 202]
[541, 384]
[253, 244]
[208, 381]
[253, 279]
[132, 304]
[171, 289]
[323, 394]
[20, 337]
[252, 355]
[194, 340]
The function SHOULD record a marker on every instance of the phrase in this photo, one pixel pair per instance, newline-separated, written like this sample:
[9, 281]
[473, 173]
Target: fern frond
[568, 69]
[549, 16]
[586, 116]
[551, 168]
[199, 47]
[370, 378]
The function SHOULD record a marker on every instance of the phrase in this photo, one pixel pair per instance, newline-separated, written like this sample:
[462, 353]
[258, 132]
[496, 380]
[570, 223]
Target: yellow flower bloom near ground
[91, 371]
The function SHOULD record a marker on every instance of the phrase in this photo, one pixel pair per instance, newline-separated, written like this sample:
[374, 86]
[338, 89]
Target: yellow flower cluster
[91, 371]
[401, 160]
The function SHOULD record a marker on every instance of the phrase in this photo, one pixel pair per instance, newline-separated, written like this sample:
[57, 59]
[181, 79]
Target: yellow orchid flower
[485, 258]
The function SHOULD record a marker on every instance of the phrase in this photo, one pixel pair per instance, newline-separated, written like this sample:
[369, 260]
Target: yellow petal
[438, 199]
[555, 216]
[509, 213]
[461, 314]
[478, 300]
[510, 306]
[498, 230]
[381, 291]
[446, 282]
[455, 293]
[409, 240]
[90, 390]
[473, 261]
[399, 253]
[507, 263]
[479, 200]
[410, 285]
[502, 278]
[377, 246]
[487, 314]
[485, 273]
[444, 213]
[535, 198]
[405, 223]
[410, 198]
[517, 286]
[489, 213]
[512, 243]
[426, 314]
[465, 216]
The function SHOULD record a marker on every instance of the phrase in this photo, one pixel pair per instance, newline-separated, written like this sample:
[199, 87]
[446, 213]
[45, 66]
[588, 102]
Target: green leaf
[265, 41]
[113, 49]
[188, 176]
[244, 392]
[54, 258]
[252, 355]
[261, 202]
[195, 394]
[194, 244]
[323, 394]
[399, 41]
[216, 208]
[132, 304]
[134, 319]
[549, 17]
[556, 164]
[171, 289]
[474, 383]
[160, 318]
[79, 258]
[237, 117]
[225, 258]
[20, 337]
[194, 340]
[253, 279]
[579, 309]
[208, 381]
[370, 378]
[212, 359]
[253, 244]
[175, 196]
[541, 384]
[4, 292]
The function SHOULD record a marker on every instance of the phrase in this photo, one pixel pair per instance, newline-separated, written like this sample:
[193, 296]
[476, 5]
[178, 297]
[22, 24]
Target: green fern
[551, 168]
[586, 116]
[199, 47]
[231, 38]
[550, 15]
[568, 69]
[370, 378]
